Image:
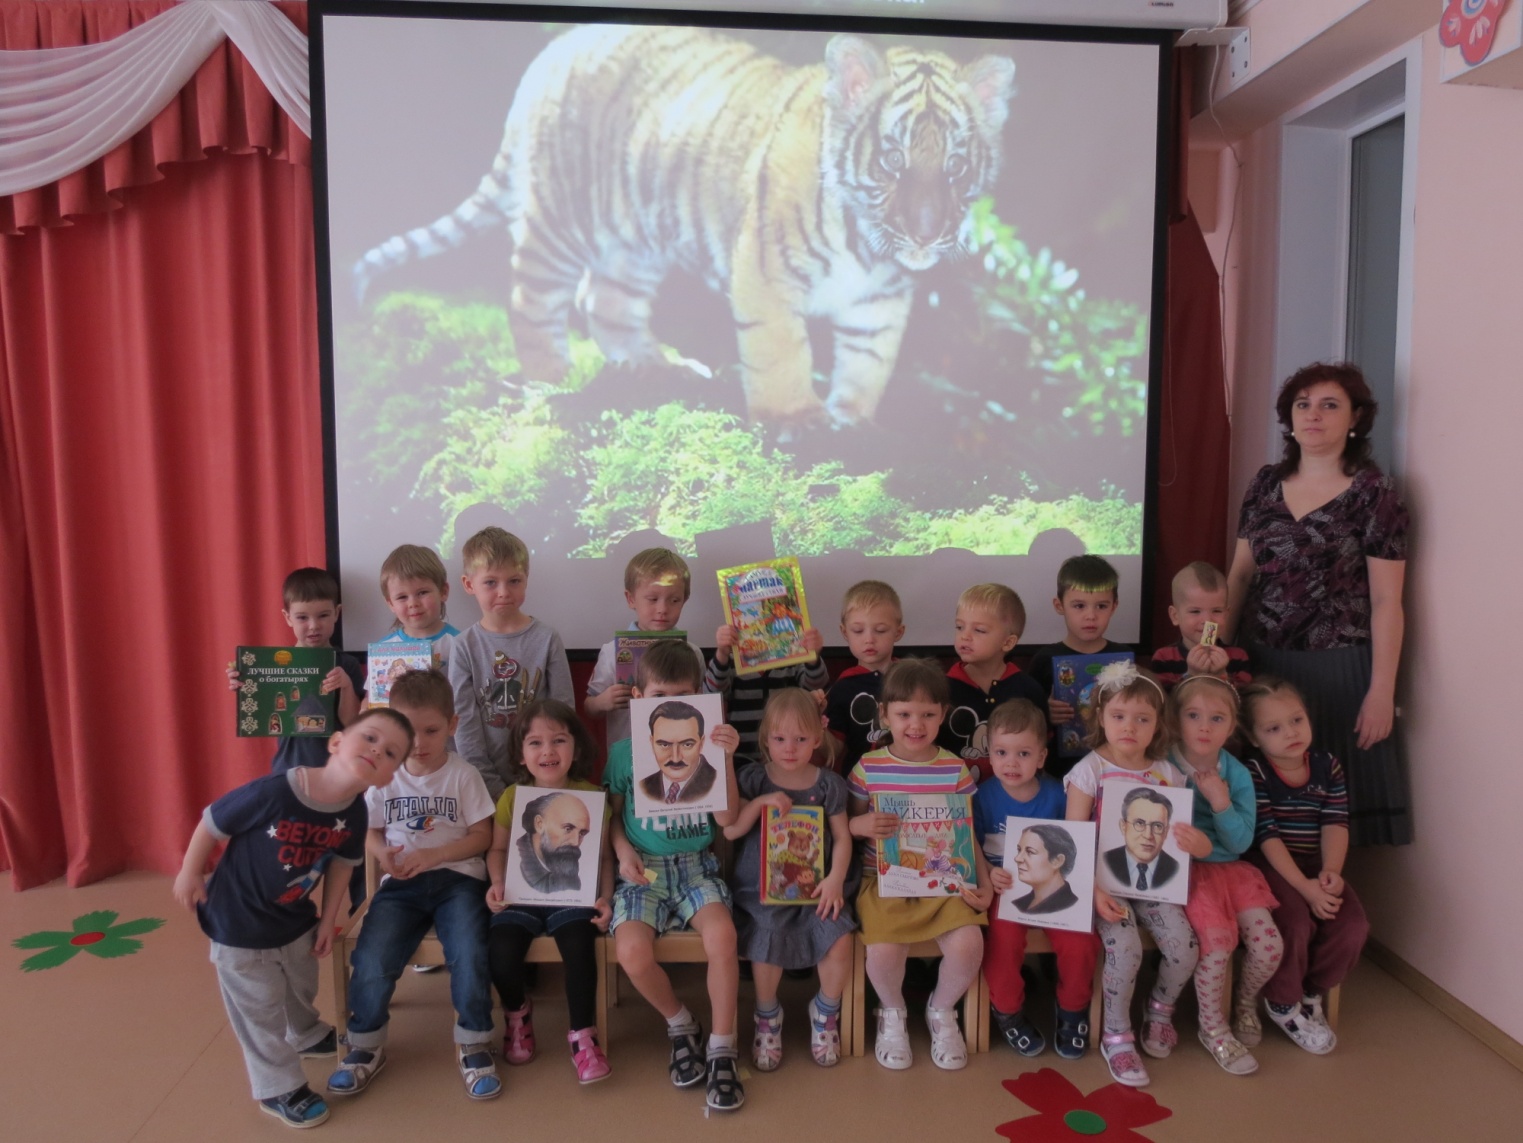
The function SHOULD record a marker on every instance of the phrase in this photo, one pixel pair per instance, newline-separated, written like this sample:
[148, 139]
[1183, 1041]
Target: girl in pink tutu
[1229, 898]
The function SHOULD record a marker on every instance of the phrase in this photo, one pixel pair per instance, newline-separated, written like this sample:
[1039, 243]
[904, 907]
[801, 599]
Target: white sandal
[948, 1049]
[892, 1044]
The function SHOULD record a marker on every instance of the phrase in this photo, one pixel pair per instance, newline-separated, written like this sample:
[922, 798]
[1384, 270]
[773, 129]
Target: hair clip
[1121, 674]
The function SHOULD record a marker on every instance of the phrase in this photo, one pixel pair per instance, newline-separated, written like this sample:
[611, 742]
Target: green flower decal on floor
[95, 933]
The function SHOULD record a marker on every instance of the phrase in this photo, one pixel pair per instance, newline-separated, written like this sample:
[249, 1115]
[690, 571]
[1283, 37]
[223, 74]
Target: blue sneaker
[300, 1108]
[327, 1046]
[478, 1070]
[356, 1070]
[1019, 1032]
[1070, 1036]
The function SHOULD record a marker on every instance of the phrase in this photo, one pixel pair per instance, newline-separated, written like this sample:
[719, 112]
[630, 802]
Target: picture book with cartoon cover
[765, 601]
[792, 855]
[1073, 680]
[386, 662]
[932, 854]
[280, 691]
[628, 646]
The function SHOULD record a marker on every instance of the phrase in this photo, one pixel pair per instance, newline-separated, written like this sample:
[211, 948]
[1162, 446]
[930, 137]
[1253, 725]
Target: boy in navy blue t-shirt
[283, 834]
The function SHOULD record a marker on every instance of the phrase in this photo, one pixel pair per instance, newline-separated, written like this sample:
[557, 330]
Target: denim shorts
[542, 919]
[685, 883]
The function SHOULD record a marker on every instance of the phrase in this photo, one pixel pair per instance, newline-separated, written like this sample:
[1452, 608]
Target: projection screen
[840, 289]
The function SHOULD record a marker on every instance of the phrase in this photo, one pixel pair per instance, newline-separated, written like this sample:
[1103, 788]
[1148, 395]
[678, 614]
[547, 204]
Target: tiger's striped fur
[796, 192]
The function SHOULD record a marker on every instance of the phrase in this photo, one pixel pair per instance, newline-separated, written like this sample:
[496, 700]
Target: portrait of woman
[1044, 859]
[1315, 587]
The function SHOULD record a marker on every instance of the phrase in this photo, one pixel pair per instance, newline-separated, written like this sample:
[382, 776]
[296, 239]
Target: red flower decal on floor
[1066, 1114]
[1471, 26]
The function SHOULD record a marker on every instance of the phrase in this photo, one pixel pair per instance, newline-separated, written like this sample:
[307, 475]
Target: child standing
[778, 937]
[505, 659]
[1088, 589]
[657, 585]
[311, 611]
[1019, 788]
[429, 827]
[1302, 839]
[990, 620]
[548, 749]
[914, 704]
[872, 622]
[669, 879]
[416, 587]
[1129, 739]
[747, 694]
[284, 833]
[1200, 597]
[1228, 897]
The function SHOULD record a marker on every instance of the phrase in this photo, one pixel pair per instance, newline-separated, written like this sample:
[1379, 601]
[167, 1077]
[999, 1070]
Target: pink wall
[1448, 904]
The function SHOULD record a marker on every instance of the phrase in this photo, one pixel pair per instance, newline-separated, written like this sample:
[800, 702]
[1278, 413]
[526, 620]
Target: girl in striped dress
[912, 705]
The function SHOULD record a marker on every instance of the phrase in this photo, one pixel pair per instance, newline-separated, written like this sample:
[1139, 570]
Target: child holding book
[657, 586]
[1020, 788]
[989, 622]
[311, 611]
[429, 827]
[1088, 588]
[503, 660]
[416, 587]
[548, 750]
[283, 834]
[1199, 608]
[669, 879]
[1228, 897]
[914, 702]
[1302, 841]
[872, 622]
[1130, 739]
[817, 933]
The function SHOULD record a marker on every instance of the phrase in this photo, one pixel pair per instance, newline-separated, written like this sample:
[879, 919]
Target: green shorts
[685, 883]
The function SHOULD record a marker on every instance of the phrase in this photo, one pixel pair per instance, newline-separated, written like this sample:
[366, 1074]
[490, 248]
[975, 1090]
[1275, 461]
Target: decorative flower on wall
[95, 933]
[1067, 1114]
[1471, 26]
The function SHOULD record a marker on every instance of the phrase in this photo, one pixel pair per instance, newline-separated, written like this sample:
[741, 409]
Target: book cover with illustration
[792, 855]
[386, 662]
[932, 854]
[1073, 682]
[766, 602]
[280, 691]
[628, 646]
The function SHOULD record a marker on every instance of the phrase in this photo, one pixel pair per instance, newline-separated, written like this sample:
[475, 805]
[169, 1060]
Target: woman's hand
[1377, 714]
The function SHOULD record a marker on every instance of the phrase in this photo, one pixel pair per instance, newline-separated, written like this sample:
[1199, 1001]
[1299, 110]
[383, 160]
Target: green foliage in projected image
[438, 413]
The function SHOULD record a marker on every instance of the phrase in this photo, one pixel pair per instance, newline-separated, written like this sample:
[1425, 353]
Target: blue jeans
[401, 914]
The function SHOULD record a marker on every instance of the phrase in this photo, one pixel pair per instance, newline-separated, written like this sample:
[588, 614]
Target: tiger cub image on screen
[794, 192]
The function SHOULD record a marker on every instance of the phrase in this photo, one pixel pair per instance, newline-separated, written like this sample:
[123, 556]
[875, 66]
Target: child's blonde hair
[1198, 574]
[1133, 683]
[413, 561]
[1264, 687]
[494, 547]
[1206, 684]
[658, 565]
[583, 752]
[1018, 716]
[869, 593]
[789, 704]
[909, 679]
[1001, 600]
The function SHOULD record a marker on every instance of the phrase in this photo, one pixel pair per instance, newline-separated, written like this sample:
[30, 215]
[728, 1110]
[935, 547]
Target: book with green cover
[628, 646]
[280, 692]
[765, 601]
[792, 855]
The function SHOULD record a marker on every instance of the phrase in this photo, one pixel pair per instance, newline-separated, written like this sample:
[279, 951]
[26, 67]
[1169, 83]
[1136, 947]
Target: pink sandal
[518, 1045]
[1122, 1059]
[1158, 1035]
[591, 1064]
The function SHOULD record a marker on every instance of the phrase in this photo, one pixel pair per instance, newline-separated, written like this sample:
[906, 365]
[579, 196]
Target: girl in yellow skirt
[912, 705]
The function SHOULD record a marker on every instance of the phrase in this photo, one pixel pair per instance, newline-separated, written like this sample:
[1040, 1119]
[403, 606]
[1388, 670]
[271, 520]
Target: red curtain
[162, 468]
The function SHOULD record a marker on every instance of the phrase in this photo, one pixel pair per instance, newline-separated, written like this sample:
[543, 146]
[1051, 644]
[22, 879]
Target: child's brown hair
[1137, 683]
[386, 713]
[1198, 574]
[425, 690]
[494, 547]
[1087, 573]
[909, 679]
[870, 593]
[413, 561]
[669, 661]
[583, 752]
[1018, 716]
[310, 585]
[1263, 687]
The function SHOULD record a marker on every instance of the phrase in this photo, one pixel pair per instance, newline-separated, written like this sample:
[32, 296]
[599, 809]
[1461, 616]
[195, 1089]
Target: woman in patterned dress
[1316, 582]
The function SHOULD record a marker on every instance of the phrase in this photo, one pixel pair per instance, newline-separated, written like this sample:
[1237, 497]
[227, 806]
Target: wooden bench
[430, 951]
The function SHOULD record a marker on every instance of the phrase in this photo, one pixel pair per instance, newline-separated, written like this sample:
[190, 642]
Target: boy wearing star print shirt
[283, 834]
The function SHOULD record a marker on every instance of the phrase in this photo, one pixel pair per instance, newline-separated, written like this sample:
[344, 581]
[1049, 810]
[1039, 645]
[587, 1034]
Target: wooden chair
[430, 951]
